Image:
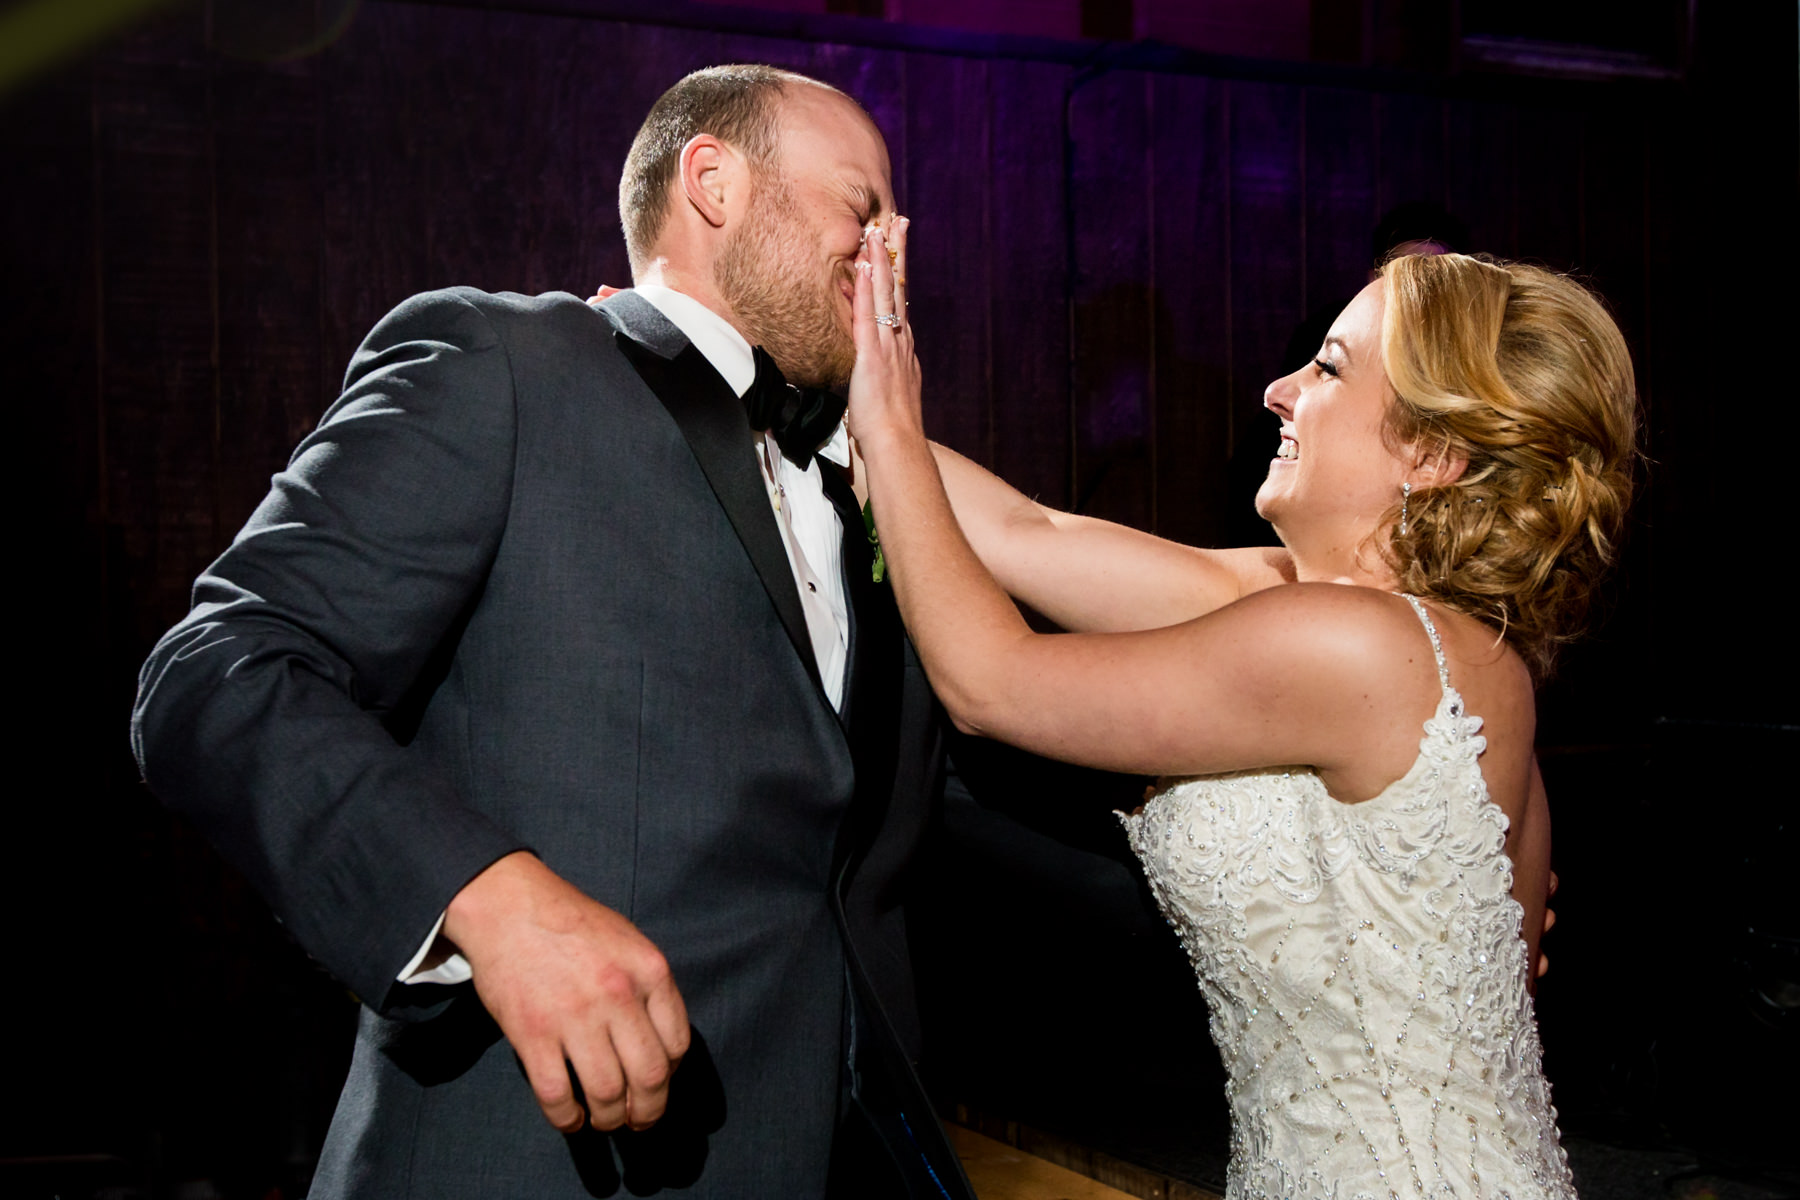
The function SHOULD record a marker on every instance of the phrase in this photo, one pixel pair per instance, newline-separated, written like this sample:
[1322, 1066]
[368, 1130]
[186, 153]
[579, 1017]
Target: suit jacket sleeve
[275, 714]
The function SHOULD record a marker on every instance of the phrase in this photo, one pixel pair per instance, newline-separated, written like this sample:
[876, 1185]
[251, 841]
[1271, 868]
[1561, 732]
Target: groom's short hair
[740, 104]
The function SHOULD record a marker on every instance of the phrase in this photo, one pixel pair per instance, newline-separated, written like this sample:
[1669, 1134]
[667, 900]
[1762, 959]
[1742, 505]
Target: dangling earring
[1405, 499]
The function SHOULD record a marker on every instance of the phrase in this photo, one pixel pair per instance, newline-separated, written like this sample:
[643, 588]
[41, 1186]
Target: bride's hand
[884, 387]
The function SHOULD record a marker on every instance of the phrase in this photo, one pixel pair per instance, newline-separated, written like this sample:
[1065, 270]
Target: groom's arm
[263, 716]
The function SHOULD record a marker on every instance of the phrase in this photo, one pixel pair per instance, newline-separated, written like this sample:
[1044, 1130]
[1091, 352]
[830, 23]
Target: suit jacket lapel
[711, 419]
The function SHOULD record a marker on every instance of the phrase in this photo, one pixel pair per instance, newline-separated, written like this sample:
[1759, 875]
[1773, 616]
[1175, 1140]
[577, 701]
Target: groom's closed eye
[867, 203]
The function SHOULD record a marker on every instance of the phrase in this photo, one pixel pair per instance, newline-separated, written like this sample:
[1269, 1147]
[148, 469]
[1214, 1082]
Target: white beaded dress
[1366, 975]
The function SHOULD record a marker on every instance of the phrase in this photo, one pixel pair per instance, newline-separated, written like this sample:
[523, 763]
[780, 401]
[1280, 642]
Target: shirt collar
[725, 348]
[711, 334]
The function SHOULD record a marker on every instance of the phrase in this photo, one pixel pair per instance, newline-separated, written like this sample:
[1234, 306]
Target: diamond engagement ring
[891, 320]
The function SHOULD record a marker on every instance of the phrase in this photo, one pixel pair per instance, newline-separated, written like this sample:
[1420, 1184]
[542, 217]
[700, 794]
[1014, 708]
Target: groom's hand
[578, 991]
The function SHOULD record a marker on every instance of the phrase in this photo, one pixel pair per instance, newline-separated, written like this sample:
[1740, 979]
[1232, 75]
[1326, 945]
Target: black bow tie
[801, 419]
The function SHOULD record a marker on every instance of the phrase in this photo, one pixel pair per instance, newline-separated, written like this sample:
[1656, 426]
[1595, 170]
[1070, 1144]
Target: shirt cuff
[435, 961]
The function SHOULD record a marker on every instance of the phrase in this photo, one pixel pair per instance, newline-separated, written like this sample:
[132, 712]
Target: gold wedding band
[900, 281]
[893, 256]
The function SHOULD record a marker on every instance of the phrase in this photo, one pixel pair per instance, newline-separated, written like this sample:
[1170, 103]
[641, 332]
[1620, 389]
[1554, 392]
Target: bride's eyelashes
[1325, 368]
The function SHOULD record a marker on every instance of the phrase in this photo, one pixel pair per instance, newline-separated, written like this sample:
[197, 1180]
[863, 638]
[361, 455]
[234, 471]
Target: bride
[1348, 834]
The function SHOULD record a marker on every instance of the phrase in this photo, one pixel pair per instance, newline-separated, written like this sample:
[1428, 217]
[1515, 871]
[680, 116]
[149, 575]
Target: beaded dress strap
[1437, 645]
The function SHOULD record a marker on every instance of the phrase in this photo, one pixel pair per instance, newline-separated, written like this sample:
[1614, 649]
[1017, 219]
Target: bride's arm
[1283, 676]
[1085, 574]
[1090, 575]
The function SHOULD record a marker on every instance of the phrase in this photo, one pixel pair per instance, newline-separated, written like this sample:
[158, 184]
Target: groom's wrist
[490, 898]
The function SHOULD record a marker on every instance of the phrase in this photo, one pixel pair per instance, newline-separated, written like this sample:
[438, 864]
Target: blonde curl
[1522, 373]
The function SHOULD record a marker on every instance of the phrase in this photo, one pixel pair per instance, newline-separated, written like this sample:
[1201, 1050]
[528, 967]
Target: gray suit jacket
[522, 588]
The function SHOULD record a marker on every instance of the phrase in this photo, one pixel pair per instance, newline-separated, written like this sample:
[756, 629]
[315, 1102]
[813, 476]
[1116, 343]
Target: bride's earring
[1405, 499]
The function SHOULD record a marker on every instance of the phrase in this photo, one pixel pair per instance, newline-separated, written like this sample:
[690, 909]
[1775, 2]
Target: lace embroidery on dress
[1366, 975]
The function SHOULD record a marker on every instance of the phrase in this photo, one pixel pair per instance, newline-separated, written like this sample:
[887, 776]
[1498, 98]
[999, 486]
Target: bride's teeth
[1288, 449]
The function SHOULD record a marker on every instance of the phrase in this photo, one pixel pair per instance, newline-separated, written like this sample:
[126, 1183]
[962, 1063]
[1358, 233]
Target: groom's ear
[712, 178]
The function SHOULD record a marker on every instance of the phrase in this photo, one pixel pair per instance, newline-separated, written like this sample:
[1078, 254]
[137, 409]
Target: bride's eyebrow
[1343, 347]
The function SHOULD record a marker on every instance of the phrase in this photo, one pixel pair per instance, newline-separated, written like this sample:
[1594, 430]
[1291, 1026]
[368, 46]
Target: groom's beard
[790, 311]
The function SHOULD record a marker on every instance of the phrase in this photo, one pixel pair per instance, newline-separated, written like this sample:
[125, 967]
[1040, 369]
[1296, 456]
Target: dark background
[1115, 240]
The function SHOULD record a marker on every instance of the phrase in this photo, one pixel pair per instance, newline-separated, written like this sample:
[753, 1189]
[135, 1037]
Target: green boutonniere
[877, 572]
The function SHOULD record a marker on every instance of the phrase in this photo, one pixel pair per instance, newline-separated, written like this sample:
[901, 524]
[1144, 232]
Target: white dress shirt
[810, 530]
[809, 522]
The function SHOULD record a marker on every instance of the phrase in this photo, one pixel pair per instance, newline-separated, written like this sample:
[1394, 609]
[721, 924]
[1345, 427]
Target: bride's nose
[1278, 397]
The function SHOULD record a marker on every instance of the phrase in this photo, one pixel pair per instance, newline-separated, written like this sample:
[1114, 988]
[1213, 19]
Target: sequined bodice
[1366, 975]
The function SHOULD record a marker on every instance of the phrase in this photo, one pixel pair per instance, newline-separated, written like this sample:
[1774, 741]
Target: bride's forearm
[1090, 575]
[962, 624]
[993, 514]
[960, 619]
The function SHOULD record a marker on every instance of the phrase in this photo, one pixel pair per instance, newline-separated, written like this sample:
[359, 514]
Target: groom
[549, 700]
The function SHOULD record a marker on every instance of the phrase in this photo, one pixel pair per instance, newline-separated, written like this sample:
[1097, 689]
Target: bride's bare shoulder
[1366, 630]
[1257, 568]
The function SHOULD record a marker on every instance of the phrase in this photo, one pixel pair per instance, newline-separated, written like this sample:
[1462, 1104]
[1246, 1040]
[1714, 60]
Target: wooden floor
[1012, 1161]
[1003, 1172]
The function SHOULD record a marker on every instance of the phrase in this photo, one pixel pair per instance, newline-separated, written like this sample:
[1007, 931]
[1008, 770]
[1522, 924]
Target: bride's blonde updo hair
[1522, 372]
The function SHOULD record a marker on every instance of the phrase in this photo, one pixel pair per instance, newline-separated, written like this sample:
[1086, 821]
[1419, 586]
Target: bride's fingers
[883, 280]
[899, 225]
[863, 329]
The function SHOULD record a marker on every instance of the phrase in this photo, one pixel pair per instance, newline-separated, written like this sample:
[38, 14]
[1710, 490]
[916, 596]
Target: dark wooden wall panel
[1614, 198]
[378, 199]
[1029, 441]
[1268, 255]
[948, 272]
[879, 81]
[1679, 501]
[1192, 306]
[1667, 335]
[1114, 336]
[1409, 131]
[63, 878]
[1548, 188]
[498, 111]
[49, 346]
[272, 367]
[617, 68]
[1341, 211]
[1478, 165]
[156, 250]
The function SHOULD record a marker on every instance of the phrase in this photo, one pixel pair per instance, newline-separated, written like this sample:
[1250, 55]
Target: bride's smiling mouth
[1288, 451]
